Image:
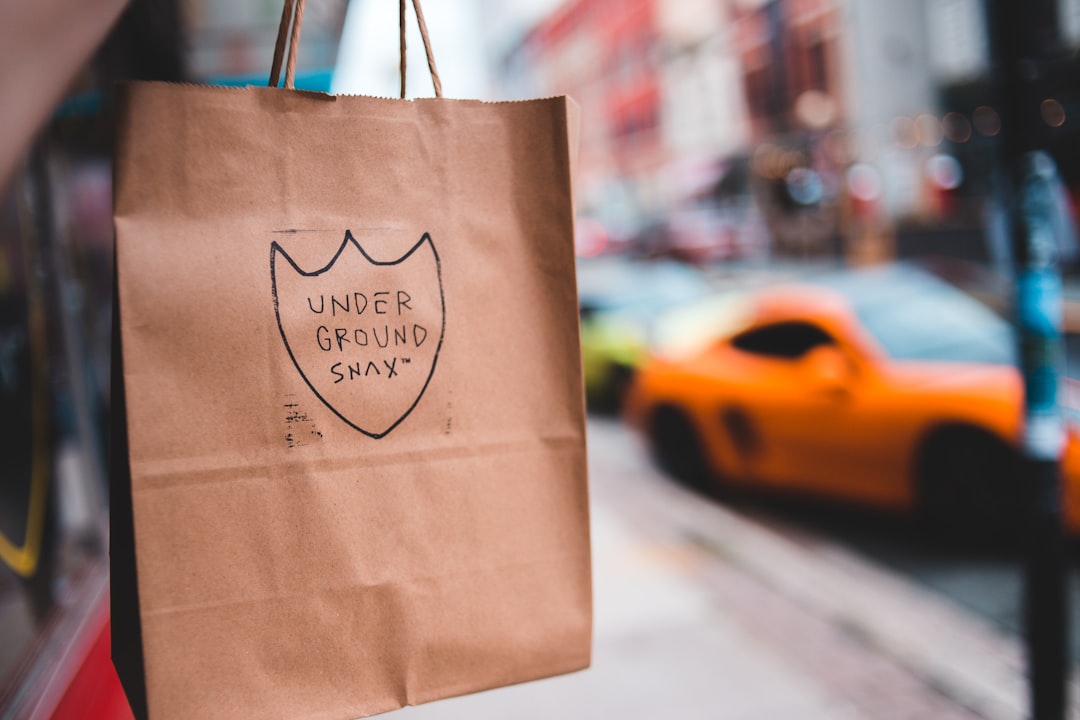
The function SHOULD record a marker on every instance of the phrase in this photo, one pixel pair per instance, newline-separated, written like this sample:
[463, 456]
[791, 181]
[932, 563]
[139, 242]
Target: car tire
[968, 486]
[677, 447]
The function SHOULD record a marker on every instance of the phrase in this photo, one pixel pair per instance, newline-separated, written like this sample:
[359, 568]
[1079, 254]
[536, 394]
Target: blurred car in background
[591, 238]
[704, 233]
[886, 387]
[620, 302]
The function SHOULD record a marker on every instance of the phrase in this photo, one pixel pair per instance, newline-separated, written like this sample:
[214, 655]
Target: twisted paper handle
[292, 13]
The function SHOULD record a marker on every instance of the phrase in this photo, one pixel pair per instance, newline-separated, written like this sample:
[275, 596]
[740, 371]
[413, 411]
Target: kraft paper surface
[354, 415]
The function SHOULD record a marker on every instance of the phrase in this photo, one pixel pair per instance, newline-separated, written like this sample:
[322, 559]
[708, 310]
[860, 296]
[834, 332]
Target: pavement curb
[959, 654]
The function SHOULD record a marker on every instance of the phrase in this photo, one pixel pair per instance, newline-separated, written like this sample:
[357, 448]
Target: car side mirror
[828, 369]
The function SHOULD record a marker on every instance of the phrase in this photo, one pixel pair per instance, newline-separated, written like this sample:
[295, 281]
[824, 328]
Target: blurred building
[704, 114]
[235, 38]
[604, 53]
[965, 103]
[791, 62]
[858, 127]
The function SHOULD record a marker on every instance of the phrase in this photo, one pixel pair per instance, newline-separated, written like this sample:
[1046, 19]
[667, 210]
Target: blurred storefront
[55, 334]
[605, 54]
[971, 120]
[230, 40]
[867, 128]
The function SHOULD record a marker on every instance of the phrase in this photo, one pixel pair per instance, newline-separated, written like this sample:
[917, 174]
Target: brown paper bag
[353, 398]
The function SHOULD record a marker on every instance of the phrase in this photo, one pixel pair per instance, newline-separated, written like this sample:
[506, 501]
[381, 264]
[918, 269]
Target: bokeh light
[805, 187]
[987, 121]
[864, 182]
[929, 129]
[1053, 114]
[945, 171]
[815, 109]
[957, 128]
[904, 132]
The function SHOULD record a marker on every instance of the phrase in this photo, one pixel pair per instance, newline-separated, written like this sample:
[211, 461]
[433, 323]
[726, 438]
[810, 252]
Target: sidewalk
[702, 613]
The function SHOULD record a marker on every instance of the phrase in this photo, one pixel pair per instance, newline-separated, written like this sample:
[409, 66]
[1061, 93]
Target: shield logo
[364, 334]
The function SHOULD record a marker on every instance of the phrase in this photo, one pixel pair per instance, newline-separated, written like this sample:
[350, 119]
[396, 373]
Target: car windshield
[660, 298]
[915, 316]
[640, 290]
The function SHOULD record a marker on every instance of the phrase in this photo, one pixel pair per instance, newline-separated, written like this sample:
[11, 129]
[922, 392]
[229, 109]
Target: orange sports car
[885, 387]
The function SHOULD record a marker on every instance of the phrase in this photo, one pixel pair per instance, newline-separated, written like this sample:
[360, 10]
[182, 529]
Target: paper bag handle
[435, 82]
[279, 46]
[292, 13]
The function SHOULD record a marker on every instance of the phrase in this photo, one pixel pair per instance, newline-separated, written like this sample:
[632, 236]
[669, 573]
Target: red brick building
[789, 49]
[604, 53]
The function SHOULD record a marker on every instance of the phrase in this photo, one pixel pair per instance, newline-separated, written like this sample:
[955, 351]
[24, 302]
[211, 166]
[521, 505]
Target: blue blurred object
[621, 302]
[311, 80]
[87, 104]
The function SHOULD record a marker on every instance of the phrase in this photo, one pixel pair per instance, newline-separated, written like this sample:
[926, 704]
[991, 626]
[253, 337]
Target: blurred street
[985, 581]
[821, 248]
[704, 611]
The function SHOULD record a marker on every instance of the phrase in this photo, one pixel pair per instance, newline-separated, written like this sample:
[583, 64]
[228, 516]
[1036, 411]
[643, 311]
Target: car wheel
[968, 485]
[678, 447]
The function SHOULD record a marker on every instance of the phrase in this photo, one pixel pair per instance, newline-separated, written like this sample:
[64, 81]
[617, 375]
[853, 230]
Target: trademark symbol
[405, 361]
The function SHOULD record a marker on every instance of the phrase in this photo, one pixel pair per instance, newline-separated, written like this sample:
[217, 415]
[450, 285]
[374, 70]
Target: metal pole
[1021, 33]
